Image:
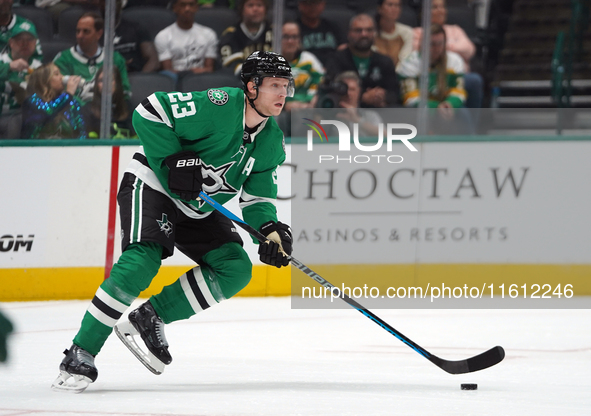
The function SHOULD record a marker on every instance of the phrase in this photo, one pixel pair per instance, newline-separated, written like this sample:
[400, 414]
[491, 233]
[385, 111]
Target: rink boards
[479, 212]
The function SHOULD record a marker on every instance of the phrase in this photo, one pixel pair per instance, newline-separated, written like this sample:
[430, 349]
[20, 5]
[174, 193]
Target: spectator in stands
[16, 62]
[49, 112]
[393, 39]
[185, 46]
[306, 68]
[445, 77]
[319, 36]
[446, 80]
[253, 33]
[367, 120]
[121, 126]
[457, 39]
[379, 81]
[133, 42]
[10, 22]
[347, 99]
[307, 73]
[56, 7]
[458, 42]
[86, 57]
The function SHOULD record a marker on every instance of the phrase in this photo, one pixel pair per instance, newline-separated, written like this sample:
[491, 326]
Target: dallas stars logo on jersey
[218, 97]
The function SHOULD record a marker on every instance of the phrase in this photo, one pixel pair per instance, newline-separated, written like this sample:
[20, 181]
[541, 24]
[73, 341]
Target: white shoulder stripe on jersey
[158, 107]
[147, 115]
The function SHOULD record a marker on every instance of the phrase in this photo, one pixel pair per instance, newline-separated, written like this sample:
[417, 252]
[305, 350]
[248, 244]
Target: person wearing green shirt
[224, 142]
[17, 61]
[87, 56]
[10, 22]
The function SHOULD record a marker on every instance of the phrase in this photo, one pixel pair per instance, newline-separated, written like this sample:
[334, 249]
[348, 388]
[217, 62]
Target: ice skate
[77, 371]
[145, 323]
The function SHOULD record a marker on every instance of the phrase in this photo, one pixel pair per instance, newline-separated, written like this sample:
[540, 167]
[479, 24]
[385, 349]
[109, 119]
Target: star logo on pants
[165, 225]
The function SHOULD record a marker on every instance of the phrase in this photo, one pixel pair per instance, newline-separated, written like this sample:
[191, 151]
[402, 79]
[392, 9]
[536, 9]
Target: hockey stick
[479, 362]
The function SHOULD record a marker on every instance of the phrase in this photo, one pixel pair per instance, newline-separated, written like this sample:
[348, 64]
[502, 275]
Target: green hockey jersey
[211, 123]
[18, 22]
[13, 84]
[72, 62]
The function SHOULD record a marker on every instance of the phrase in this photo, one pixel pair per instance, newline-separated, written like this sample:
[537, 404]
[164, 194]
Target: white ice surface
[257, 356]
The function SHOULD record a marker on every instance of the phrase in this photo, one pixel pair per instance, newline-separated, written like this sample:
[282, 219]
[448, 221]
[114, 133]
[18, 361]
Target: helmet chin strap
[251, 102]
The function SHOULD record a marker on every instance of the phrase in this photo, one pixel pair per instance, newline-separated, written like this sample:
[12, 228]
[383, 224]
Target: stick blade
[479, 362]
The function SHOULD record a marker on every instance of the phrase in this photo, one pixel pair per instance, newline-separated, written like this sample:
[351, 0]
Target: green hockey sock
[225, 271]
[132, 273]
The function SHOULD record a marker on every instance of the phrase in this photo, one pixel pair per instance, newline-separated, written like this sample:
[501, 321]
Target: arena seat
[40, 17]
[52, 47]
[146, 83]
[216, 18]
[151, 19]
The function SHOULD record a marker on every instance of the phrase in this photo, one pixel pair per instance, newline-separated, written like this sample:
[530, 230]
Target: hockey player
[218, 141]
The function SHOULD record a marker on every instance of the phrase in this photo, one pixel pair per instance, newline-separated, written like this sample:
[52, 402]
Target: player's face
[254, 12]
[438, 12]
[56, 79]
[272, 93]
[86, 35]
[390, 9]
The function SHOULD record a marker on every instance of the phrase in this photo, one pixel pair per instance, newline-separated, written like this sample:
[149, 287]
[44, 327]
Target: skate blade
[70, 383]
[129, 336]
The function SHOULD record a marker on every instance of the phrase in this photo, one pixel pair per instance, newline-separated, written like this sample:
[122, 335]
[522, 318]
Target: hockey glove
[279, 244]
[185, 178]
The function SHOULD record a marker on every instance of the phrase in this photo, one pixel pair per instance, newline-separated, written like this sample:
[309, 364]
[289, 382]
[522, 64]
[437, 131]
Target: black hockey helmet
[261, 64]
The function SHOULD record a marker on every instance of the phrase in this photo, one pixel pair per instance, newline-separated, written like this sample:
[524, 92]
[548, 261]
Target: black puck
[469, 386]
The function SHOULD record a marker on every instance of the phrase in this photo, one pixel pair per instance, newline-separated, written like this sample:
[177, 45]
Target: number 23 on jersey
[185, 108]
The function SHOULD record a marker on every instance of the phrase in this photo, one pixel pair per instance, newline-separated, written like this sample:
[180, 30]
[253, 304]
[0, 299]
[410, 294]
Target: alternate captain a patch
[218, 97]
